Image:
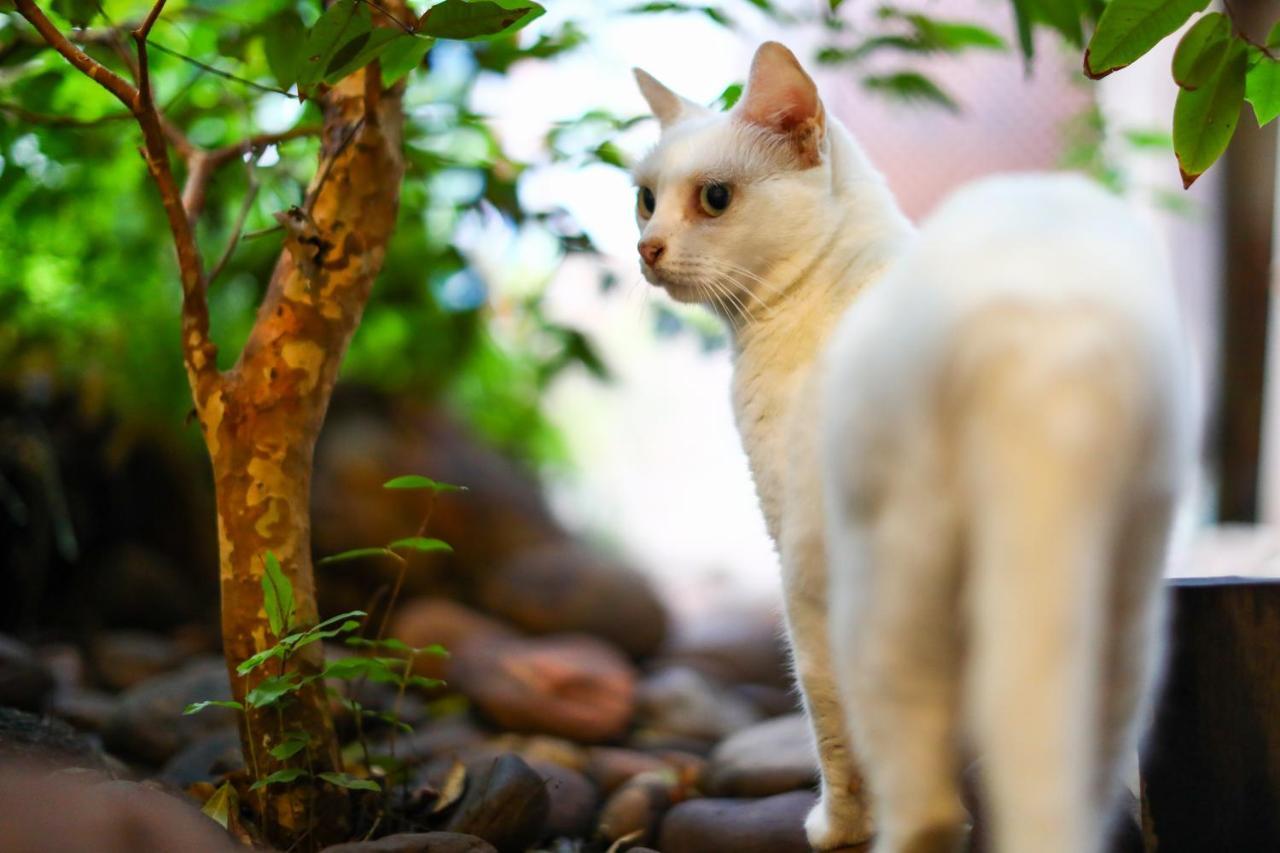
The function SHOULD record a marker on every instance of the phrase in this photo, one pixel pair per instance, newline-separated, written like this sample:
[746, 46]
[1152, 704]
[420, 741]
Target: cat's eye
[714, 198]
[645, 202]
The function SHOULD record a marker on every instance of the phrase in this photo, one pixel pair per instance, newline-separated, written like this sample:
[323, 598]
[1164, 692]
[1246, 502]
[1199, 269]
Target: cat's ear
[782, 98]
[666, 105]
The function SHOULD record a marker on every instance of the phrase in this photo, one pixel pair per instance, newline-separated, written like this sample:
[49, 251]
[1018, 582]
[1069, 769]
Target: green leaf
[478, 19]
[362, 50]
[380, 670]
[1024, 21]
[402, 56]
[277, 594]
[1201, 50]
[726, 99]
[1161, 139]
[1262, 88]
[251, 663]
[222, 804]
[421, 543]
[952, 36]
[1063, 16]
[353, 554]
[197, 707]
[78, 12]
[416, 481]
[289, 774]
[910, 86]
[270, 689]
[284, 43]
[1204, 120]
[715, 13]
[293, 743]
[423, 682]
[346, 780]
[1129, 28]
[342, 22]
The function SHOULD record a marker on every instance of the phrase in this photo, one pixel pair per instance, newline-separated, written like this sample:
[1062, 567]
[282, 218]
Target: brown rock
[573, 800]
[573, 686]
[429, 620]
[417, 842]
[505, 803]
[367, 440]
[42, 813]
[609, 767]
[679, 701]
[772, 757]
[149, 726]
[122, 659]
[635, 810]
[564, 587]
[771, 825]
[25, 682]
[27, 738]
[734, 647]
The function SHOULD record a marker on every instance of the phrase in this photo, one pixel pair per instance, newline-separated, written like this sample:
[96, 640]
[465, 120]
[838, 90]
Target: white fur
[969, 468]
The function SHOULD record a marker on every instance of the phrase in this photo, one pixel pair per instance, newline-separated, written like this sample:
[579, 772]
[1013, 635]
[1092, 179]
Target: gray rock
[25, 682]
[505, 803]
[417, 842]
[41, 740]
[63, 813]
[149, 726]
[573, 800]
[85, 708]
[122, 659]
[768, 758]
[204, 760]
[680, 702]
[771, 825]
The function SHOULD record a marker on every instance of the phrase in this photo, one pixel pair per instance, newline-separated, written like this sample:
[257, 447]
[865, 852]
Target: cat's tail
[1048, 423]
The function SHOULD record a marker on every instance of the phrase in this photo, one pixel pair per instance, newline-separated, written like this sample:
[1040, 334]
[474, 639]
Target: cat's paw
[842, 823]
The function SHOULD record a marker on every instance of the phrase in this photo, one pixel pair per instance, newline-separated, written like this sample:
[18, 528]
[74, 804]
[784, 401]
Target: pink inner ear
[779, 96]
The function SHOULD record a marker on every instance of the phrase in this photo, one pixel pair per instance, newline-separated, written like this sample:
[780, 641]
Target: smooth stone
[505, 803]
[59, 812]
[564, 587]
[46, 741]
[149, 726]
[427, 620]
[204, 759]
[121, 659]
[573, 686]
[635, 810]
[85, 708]
[680, 701]
[733, 646]
[417, 842]
[25, 681]
[609, 767]
[770, 825]
[768, 758]
[573, 800]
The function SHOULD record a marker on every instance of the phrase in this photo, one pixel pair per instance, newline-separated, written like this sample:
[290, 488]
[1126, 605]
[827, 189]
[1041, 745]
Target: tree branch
[201, 164]
[199, 352]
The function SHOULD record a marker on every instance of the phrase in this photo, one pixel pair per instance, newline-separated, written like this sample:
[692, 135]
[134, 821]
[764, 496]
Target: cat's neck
[776, 344]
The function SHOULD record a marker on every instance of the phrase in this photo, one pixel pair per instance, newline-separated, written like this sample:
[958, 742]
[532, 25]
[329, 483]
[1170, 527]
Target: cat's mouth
[677, 287]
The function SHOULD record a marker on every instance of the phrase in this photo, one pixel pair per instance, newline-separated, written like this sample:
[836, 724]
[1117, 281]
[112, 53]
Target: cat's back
[1053, 265]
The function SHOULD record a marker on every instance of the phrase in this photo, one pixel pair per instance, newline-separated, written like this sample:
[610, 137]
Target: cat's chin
[686, 293]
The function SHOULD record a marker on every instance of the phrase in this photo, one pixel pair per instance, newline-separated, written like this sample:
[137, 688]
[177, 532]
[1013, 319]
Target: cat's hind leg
[895, 634]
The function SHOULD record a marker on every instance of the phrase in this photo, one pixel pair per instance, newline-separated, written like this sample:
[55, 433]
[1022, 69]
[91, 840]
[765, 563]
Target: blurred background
[511, 345]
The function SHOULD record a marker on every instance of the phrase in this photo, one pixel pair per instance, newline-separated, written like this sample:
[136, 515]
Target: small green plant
[378, 659]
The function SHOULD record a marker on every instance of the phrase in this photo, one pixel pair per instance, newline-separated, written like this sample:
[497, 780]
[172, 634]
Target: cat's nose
[651, 249]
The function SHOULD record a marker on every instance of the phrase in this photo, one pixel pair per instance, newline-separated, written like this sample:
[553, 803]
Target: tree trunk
[261, 420]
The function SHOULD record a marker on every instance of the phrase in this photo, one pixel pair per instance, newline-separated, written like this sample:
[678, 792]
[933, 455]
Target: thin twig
[1242, 35]
[218, 71]
[250, 194]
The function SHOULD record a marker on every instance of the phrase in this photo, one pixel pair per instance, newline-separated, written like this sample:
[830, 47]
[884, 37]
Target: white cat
[967, 442]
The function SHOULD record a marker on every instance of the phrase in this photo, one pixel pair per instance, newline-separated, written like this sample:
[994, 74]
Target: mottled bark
[261, 418]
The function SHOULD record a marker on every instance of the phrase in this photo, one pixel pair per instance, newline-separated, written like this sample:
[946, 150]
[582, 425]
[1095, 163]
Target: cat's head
[727, 198]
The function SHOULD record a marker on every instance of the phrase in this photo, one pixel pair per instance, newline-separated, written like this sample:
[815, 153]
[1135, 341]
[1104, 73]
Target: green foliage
[277, 596]
[1204, 119]
[911, 87]
[1201, 50]
[346, 780]
[197, 707]
[417, 481]
[477, 19]
[1262, 84]
[89, 289]
[1130, 28]
[280, 777]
